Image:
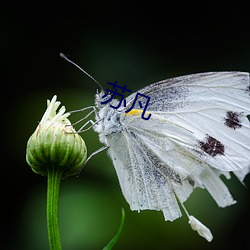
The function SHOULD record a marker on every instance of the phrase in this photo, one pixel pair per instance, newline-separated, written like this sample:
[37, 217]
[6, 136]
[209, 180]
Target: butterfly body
[109, 121]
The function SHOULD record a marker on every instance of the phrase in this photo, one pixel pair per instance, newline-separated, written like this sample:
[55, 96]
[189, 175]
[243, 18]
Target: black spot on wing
[233, 119]
[248, 89]
[191, 181]
[212, 146]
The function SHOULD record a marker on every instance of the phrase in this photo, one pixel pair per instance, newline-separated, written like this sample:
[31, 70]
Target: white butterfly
[199, 129]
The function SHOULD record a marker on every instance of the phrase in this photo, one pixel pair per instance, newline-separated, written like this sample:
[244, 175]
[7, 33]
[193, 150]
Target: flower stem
[54, 177]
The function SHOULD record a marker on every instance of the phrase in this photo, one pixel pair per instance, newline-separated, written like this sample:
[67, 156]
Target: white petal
[51, 114]
[200, 228]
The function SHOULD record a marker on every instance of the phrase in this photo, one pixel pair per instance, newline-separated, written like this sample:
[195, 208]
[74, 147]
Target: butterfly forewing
[213, 107]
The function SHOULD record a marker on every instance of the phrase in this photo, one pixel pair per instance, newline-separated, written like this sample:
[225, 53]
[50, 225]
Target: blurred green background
[133, 43]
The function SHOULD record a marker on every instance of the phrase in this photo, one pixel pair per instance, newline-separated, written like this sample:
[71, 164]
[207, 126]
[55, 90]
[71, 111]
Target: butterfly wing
[214, 107]
[152, 168]
[141, 184]
[198, 128]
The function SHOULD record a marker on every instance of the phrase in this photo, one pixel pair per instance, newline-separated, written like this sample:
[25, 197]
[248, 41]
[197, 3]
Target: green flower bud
[55, 144]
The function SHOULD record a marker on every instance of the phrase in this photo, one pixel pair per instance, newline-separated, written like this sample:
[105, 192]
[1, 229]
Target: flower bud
[55, 144]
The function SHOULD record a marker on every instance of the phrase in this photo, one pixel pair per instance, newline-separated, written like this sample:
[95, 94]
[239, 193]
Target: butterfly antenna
[68, 60]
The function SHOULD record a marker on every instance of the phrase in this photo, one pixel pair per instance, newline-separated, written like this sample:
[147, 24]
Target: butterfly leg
[86, 116]
[81, 129]
[94, 153]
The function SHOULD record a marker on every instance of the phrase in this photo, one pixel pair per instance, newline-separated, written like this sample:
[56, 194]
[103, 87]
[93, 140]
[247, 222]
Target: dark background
[133, 43]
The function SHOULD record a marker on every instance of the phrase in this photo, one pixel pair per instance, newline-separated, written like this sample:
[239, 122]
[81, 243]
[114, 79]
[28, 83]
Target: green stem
[54, 177]
[117, 234]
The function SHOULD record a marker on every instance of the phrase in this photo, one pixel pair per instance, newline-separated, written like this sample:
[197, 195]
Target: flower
[55, 143]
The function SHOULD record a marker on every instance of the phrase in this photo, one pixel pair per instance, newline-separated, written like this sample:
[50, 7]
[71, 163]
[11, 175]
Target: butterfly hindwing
[143, 186]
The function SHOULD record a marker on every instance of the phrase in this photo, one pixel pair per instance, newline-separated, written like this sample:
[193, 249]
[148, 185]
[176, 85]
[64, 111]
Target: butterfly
[198, 131]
